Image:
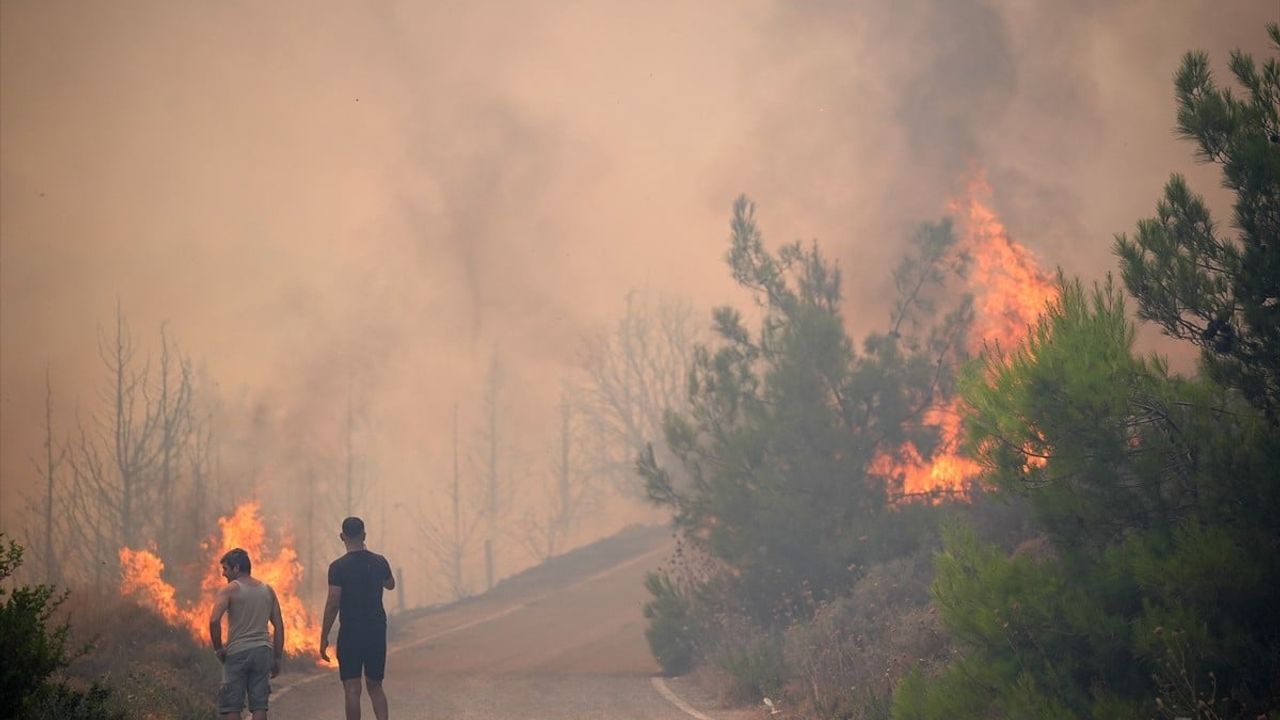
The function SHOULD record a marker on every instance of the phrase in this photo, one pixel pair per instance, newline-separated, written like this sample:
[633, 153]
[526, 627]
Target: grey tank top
[247, 618]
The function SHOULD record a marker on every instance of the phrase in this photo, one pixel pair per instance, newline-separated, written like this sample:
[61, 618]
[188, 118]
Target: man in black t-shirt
[356, 582]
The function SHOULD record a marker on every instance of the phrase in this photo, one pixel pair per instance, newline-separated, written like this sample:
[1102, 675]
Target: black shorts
[362, 651]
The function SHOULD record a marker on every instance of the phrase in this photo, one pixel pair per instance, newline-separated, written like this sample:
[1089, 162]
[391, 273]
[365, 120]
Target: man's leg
[374, 670]
[378, 698]
[351, 661]
[234, 683]
[259, 683]
[351, 690]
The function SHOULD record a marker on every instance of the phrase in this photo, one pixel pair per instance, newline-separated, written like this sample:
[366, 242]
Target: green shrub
[33, 651]
[153, 667]
[58, 701]
[850, 655]
[752, 658]
[670, 632]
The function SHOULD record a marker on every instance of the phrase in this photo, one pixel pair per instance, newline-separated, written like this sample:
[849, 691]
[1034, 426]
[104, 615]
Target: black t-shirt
[360, 574]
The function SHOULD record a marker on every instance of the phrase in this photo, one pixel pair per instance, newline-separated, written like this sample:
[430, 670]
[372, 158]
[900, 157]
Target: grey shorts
[248, 671]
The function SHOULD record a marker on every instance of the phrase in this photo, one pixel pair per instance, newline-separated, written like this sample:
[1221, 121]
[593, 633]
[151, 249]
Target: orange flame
[141, 579]
[1009, 293]
[1009, 290]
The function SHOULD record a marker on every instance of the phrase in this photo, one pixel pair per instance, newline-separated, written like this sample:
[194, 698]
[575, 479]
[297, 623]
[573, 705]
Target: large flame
[141, 579]
[1009, 293]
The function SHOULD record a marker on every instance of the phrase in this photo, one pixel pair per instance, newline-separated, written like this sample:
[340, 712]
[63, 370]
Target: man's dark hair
[353, 527]
[238, 558]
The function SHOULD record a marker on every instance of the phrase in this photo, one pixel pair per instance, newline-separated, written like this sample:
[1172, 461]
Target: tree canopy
[1154, 591]
[784, 421]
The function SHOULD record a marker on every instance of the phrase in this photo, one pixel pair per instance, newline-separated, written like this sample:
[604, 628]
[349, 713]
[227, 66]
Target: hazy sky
[376, 195]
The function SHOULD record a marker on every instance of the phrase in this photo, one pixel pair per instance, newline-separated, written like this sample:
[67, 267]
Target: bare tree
[45, 541]
[173, 408]
[351, 458]
[498, 488]
[126, 464]
[309, 527]
[573, 488]
[447, 536]
[202, 460]
[112, 459]
[356, 480]
[633, 375]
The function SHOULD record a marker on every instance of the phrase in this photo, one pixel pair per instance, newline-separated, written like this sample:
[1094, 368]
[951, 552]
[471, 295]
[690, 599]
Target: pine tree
[782, 425]
[1221, 293]
[1154, 591]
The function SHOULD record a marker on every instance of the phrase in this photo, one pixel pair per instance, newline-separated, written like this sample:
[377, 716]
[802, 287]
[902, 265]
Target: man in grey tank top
[250, 655]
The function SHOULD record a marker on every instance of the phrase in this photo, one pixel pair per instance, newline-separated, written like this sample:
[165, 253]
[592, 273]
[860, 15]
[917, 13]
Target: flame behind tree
[1009, 292]
[141, 579]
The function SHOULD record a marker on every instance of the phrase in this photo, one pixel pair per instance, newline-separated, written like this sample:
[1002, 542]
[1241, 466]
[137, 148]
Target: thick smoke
[329, 200]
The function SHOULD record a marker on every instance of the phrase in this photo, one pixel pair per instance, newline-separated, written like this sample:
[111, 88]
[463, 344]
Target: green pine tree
[35, 649]
[782, 425]
[1200, 285]
[1153, 591]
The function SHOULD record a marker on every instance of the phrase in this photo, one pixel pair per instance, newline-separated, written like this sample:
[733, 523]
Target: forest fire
[1009, 292]
[141, 579]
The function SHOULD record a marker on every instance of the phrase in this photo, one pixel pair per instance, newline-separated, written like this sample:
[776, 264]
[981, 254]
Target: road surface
[573, 650]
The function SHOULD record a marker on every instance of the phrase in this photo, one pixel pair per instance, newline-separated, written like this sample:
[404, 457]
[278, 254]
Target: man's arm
[277, 625]
[390, 582]
[220, 604]
[330, 614]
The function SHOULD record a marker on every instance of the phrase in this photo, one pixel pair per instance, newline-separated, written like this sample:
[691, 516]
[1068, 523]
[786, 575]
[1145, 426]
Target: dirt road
[569, 648]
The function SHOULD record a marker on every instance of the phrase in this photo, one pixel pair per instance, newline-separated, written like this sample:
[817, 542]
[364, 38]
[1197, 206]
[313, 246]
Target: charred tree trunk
[459, 538]
[493, 491]
[51, 565]
[351, 479]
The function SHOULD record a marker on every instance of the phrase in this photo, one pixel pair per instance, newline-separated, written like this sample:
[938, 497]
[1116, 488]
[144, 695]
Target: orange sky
[321, 194]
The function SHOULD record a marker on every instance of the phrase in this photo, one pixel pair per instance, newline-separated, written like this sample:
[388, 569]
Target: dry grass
[847, 660]
[156, 672]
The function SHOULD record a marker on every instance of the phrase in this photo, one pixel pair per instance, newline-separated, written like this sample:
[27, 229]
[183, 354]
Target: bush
[848, 658]
[33, 651]
[670, 615]
[59, 701]
[155, 669]
[751, 657]
[696, 618]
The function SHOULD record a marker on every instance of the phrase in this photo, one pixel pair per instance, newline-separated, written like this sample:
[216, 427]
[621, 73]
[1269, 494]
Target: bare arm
[330, 614]
[220, 605]
[390, 582]
[277, 626]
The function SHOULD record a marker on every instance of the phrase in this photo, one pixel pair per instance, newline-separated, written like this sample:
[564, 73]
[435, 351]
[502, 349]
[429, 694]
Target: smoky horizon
[380, 236]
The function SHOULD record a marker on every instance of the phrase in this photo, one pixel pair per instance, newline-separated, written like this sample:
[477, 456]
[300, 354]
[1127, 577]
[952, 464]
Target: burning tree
[1005, 292]
[132, 466]
[275, 564]
[785, 423]
[1156, 495]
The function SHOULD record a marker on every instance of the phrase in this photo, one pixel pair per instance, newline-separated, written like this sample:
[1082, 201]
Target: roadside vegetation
[86, 656]
[1119, 555]
[37, 650]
